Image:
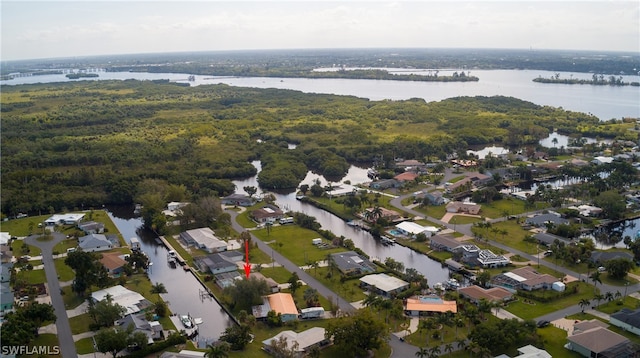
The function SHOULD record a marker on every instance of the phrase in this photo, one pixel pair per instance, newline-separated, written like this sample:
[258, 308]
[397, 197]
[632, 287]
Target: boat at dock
[385, 240]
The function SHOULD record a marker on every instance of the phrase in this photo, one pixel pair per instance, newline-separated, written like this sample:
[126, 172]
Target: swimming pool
[395, 232]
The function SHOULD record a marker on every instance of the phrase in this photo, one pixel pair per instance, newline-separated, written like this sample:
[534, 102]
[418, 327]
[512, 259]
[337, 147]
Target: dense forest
[85, 144]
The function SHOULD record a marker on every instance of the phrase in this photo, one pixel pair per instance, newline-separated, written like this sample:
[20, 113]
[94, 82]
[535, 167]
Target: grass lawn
[85, 346]
[616, 305]
[25, 226]
[278, 273]
[419, 338]
[65, 273]
[463, 220]
[180, 250]
[349, 290]
[65, 244]
[33, 276]
[256, 256]
[80, 323]
[70, 298]
[18, 249]
[554, 340]
[422, 247]
[530, 311]
[434, 211]
[514, 236]
[504, 207]
[47, 340]
[295, 244]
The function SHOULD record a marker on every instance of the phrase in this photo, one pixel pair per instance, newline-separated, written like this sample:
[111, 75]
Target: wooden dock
[166, 243]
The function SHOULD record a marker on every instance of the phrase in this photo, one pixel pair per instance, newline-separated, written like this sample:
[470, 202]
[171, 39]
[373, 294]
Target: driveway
[63, 328]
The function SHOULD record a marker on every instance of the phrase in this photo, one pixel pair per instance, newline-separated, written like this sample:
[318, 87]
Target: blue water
[395, 232]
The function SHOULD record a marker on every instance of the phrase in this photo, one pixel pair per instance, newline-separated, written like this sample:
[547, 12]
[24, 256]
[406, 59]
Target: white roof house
[412, 229]
[205, 239]
[4, 238]
[64, 219]
[384, 284]
[602, 160]
[306, 340]
[131, 300]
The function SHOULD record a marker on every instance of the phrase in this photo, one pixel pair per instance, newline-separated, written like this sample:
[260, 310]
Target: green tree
[247, 293]
[619, 267]
[612, 204]
[110, 340]
[584, 302]
[251, 190]
[238, 336]
[217, 350]
[158, 287]
[294, 283]
[104, 313]
[357, 334]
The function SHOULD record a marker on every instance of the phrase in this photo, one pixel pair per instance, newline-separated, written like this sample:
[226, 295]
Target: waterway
[183, 289]
[605, 102]
[431, 269]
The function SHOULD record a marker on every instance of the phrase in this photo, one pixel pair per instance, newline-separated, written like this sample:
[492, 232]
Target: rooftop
[384, 282]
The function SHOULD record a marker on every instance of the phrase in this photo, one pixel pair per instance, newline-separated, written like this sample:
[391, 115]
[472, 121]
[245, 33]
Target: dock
[177, 256]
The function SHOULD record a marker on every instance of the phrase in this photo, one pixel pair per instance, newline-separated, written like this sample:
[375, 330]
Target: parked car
[543, 323]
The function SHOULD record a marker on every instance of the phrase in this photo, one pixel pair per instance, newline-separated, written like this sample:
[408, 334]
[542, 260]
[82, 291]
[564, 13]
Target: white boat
[452, 284]
[387, 240]
[186, 322]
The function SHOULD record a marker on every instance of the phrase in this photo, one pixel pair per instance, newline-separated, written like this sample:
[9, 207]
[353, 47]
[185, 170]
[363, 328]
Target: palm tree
[595, 278]
[448, 348]
[217, 350]
[158, 288]
[598, 297]
[459, 323]
[608, 296]
[617, 295]
[422, 352]
[428, 324]
[435, 351]
[584, 303]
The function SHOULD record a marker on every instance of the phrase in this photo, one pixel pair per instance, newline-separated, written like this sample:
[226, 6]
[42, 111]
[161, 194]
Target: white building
[412, 229]
[383, 284]
[131, 300]
[306, 340]
[205, 239]
[64, 219]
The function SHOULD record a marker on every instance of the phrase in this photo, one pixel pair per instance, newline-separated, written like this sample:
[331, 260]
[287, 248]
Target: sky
[50, 29]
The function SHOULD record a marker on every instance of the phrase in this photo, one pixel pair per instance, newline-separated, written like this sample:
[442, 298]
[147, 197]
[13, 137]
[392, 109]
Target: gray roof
[352, 261]
[549, 239]
[93, 240]
[217, 261]
[604, 256]
[628, 316]
[542, 219]
[7, 295]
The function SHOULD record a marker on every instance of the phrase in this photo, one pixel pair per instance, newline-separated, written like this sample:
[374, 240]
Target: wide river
[605, 102]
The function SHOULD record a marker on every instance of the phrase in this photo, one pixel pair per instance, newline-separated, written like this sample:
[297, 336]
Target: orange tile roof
[416, 304]
[282, 303]
[112, 261]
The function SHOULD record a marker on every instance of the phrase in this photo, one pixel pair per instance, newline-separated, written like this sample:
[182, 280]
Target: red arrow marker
[247, 265]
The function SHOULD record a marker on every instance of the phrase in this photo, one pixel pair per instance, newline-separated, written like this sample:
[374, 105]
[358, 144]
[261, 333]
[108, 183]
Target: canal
[183, 289]
[431, 269]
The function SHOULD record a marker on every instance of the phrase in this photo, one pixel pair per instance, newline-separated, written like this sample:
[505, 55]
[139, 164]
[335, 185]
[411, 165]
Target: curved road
[65, 338]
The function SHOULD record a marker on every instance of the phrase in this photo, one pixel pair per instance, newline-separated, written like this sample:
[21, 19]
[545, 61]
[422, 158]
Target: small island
[596, 80]
[75, 76]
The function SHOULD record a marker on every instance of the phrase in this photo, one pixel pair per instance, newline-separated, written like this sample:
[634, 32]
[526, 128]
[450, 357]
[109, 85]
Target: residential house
[5, 237]
[281, 303]
[411, 165]
[385, 184]
[479, 179]
[602, 160]
[95, 243]
[64, 219]
[215, 264]
[350, 263]
[529, 351]
[273, 285]
[487, 259]
[174, 208]
[601, 257]
[548, 239]
[268, 213]
[5, 272]
[476, 293]
[113, 262]
[433, 197]
[443, 243]
[152, 329]
[91, 227]
[420, 305]
[468, 253]
[599, 342]
[5, 254]
[205, 239]
[412, 229]
[303, 342]
[627, 319]
[383, 284]
[463, 207]
[543, 220]
[6, 297]
[238, 200]
[342, 190]
[589, 210]
[185, 353]
[132, 301]
[389, 215]
[524, 278]
[228, 279]
[406, 177]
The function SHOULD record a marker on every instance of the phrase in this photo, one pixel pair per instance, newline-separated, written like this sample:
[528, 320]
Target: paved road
[65, 338]
[291, 267]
